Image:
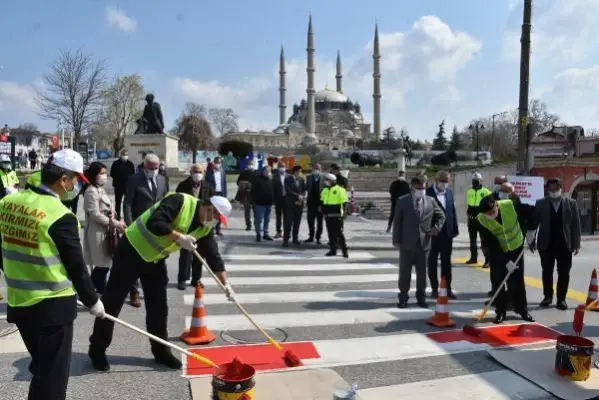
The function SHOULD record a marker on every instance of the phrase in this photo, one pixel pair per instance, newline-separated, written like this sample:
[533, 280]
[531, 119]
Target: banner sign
[528, 188]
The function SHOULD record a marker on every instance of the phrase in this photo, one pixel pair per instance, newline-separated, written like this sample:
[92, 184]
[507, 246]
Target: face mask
[210, 224]
[101, 180]
[493, 215]
[71, 194]
[269, 175]
[7, 167]
[316, 172]
[419, 193]
[441, 186]
[555, 195]
[496, 188]
[282, 170]
[217, 167]
[504, 196]
[151, 173]
[197, 176]
[475, 183]
[327, 183]
[124, 158]
[252, 167]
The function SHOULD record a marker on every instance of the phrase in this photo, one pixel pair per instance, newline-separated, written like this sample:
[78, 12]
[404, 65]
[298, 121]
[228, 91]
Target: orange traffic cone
[593, 291]
[441, 318]
[198, 332]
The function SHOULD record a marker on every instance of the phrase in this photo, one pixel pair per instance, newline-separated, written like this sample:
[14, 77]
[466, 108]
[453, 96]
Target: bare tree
[223, 120]
[73, 90]
[194, 130]
[121, 107]
[592, 132]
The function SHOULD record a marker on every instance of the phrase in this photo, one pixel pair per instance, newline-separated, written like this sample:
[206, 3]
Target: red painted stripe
[500, 335]
[260, 356]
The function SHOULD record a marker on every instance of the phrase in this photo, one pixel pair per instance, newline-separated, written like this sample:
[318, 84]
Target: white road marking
[356, 255]
[307, 280]
[276, 267]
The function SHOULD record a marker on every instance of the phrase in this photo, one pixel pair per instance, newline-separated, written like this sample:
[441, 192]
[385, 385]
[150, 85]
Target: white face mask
[555, 195]
[327, 183]
[151, 173]
[282, 170]
[492, 215]
[441, 186]
[252, 167]
[217, 167]
[419, 193]
[124, 158]
[496, 188]
[269, 175]
[504, 195]
[6, 166]
[317, 172]
[197, 176]
[101, 179]
[210, 224]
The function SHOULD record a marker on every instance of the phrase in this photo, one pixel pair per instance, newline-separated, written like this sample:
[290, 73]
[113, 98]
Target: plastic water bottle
[346, 394]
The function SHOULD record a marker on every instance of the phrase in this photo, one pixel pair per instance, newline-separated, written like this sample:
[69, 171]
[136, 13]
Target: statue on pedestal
[151, 121]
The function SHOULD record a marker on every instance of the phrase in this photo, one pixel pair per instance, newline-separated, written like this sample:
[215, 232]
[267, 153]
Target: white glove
[97, 310]
[229, 292]
[530, 237]
[511, 266]
[187, 242]
[10, 190]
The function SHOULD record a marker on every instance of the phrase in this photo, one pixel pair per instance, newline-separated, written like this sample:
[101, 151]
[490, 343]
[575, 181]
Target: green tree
[417, 145]
[455, 143]
[440, 141]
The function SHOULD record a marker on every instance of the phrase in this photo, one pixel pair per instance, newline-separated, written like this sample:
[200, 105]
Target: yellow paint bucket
[573, 357]
[234, 381]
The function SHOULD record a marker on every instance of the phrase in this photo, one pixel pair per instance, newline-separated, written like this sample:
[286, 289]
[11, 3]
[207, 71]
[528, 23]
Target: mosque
[327, 119]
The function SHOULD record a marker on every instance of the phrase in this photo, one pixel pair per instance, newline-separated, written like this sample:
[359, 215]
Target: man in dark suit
[120, 172]
[398, 188]
[278, 181]
[295, 195]
[314, 183]
[558, 222]
[442, 244]
[217, 179]
[144, 189]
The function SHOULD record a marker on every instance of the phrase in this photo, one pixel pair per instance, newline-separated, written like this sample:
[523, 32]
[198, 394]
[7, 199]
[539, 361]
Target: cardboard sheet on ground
[314, 384]
[537, 365]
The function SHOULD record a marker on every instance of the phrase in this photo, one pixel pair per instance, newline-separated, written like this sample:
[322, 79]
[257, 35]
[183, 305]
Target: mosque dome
[329, 95]
[346, 133]
[310, 139]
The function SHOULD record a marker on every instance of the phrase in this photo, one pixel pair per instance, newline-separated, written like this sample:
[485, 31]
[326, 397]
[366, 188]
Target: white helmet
[223, 206]
[477, 176]
[330, 177]
[4, 158]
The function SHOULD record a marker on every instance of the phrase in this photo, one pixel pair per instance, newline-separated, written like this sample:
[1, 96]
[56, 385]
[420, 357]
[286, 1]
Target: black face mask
[475, 184]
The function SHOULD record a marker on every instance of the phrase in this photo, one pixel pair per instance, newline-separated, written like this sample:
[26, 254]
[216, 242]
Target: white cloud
[118, 19]
[17, 103]
[429, 55]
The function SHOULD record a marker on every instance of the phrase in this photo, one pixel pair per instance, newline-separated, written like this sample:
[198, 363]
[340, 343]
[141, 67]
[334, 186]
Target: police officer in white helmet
[473, 197]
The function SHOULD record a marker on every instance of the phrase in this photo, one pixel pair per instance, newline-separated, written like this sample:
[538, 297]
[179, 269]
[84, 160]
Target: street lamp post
[475, 129]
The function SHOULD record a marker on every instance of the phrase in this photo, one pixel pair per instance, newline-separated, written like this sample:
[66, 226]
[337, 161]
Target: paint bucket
[234, 381]
[573, 357]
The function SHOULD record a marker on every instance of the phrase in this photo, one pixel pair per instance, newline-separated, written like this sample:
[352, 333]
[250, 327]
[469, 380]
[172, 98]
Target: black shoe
[99, 360]
[285, 244]
[181, 286]
[451, 295]
[435, 294]
[318, 241]
[486, 265]
[402, 304]
[345, 254]
[526, 316]
[490, 293]
[472, 261]
[309, 240]
[195, 283]
[546, 302]
[562, 305]
[248, 228]
[499, 318]
[331, 253]
[422, 303]
[296, 242]
[266, 237]
[167, 359]
[258, 238]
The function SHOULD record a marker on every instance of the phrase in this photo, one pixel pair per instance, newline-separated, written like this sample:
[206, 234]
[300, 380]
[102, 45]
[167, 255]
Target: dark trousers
[247, 210]
[50, 349]
[336, 236]
[188, 267]
[291, 221]
[98, 277]
[127, 266]
[516, 291]
[391, 213]
[441, 246]
[119, 193]
[549, 258]
[279, 212]
[314, 215]
[473, 232]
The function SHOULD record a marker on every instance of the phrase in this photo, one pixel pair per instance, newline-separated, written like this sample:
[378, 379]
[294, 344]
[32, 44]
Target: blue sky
[441, 60]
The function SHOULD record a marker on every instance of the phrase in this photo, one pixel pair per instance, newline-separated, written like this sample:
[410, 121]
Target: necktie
[154, 189]
[417, 208]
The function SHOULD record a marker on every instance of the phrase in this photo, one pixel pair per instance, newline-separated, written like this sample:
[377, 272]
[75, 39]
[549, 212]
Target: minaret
[311, 109]
[282, 89]
[376, 56]
[339, 76]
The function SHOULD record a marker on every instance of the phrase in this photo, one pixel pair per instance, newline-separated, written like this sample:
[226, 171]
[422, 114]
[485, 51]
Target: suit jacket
[310, 182]
[450, 228]
[138, 196]
[277, 186]
[294, 187]
[223, 181]
[570, 218]
[408, 227]
[186, 186]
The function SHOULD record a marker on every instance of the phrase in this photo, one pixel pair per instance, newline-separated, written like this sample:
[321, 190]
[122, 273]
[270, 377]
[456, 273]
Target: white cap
[477, 176]
[330, 177]
[4, 158]
[71, 161]
[223, 206]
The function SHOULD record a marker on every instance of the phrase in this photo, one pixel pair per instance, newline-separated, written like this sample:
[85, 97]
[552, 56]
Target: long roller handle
[239, 306]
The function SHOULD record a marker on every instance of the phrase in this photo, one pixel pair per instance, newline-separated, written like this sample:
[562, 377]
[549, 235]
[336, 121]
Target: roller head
[291, 360]
[472, 331]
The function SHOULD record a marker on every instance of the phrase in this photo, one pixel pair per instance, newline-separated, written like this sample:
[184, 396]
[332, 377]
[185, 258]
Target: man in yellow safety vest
[473, 197]
[9, 180]
[501, 233]
[178, 221]
[44, 267]
[333, 200]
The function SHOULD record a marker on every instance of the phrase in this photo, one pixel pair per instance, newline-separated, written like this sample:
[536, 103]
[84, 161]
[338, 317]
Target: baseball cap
[223, 206]
[71, 161]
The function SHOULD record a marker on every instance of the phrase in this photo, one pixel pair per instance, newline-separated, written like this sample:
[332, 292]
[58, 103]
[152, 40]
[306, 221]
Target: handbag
[112, 238]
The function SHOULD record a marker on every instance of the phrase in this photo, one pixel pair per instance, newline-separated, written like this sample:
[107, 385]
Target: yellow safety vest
[508, 233]
[9, 179]
[152, 248]
[32, 266]
[35, 179]
[474, 196]
[333, 196]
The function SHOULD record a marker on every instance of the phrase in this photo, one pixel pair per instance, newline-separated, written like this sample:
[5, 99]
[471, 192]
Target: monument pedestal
[166, 147]
[401, 161]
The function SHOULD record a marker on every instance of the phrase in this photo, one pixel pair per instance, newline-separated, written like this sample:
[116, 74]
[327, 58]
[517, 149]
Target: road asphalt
[301, 296]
